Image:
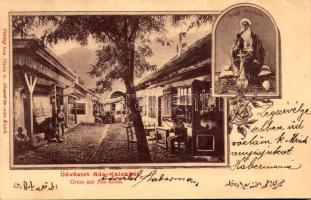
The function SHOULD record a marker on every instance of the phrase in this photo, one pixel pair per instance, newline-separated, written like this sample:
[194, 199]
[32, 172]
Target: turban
[245, 20]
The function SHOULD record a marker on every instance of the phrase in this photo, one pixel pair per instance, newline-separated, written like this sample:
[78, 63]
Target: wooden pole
[65, 108]
[31, 118]
[55, 104]
[75, 111]
[31, 86]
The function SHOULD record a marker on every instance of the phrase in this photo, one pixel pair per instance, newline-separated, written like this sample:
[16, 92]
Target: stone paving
[80, 142]
[94, 143]
[113, 149]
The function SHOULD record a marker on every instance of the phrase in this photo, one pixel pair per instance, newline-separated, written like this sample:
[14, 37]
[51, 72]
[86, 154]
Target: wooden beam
[31, 86]
[27, 81]
[30, 83]
[34, 84]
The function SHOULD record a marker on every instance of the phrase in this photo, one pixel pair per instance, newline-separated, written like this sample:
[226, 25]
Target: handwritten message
[30, 186]
[139, 177]
[272, 141]
[267, 184]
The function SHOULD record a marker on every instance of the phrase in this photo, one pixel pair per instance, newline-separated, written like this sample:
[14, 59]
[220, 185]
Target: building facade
[181, 89]
[41, 84]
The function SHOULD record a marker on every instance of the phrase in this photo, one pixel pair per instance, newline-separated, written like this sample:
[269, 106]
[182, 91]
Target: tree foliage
[114, 37]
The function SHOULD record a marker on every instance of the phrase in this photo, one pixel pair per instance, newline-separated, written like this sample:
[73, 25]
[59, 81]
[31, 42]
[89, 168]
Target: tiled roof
[31, 41]
[197, 52]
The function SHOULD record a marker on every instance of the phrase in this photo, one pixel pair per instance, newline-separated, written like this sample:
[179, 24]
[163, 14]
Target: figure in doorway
[21, 140]
[52, 131]
[61, 122]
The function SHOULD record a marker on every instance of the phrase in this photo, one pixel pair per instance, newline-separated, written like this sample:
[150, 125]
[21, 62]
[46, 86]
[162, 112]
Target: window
[81, 108]
[169, 101]
[183, 107]
[59, 95]
[152, 106]
[184, 96]
[71, 100]
[208, 102]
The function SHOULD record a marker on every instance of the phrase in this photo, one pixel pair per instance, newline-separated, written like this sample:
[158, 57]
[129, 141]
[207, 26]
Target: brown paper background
[294, 21]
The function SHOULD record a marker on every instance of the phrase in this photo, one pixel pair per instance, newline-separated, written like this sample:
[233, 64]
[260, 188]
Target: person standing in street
[61, 121]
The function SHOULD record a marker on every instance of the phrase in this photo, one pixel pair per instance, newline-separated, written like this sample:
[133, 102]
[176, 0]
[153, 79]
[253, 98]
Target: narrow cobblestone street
[91, 144]
[113, 149]
[79, 145]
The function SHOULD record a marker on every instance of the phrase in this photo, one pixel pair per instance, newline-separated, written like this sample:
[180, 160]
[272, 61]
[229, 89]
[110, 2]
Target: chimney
[182, 43]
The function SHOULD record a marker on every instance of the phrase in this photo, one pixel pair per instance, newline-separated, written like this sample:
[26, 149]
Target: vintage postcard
[118, 99]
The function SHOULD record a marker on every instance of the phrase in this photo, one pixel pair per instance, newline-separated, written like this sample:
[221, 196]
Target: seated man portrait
[248, 52]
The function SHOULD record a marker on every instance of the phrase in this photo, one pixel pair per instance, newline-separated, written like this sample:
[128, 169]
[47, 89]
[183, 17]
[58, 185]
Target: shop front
[39, 83]
[180, 92]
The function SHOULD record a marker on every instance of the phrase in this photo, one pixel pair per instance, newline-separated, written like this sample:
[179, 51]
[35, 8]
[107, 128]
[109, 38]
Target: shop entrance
[207, 113]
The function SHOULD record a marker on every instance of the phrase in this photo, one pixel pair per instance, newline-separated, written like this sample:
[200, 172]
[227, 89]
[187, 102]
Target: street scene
[105, 144]
[115, 89]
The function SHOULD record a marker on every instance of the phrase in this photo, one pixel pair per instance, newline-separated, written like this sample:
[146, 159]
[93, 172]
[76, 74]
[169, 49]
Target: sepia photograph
[138, 99]
[246, 53]
[114, 90]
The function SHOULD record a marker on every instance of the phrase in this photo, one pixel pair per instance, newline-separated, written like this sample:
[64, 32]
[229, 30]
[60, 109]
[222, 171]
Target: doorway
[207, 121]
[160, 99]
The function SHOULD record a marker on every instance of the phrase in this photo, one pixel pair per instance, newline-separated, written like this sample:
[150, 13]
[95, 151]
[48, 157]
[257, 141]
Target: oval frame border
[277, 94]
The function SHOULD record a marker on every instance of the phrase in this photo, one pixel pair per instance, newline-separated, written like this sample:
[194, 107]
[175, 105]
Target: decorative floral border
[240, 111]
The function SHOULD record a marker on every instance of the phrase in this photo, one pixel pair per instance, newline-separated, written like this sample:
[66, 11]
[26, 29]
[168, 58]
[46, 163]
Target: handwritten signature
[29, 186]
[152, 176]
[246, 164]
[268, 184]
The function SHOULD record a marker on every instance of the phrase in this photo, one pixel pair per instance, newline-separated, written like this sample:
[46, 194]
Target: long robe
[254, 61]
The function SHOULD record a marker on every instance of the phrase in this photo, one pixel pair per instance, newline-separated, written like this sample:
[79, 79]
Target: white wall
[88, 117]
[158, 91]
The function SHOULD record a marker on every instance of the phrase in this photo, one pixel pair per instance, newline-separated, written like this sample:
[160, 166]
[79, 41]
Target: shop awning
[114, 100]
